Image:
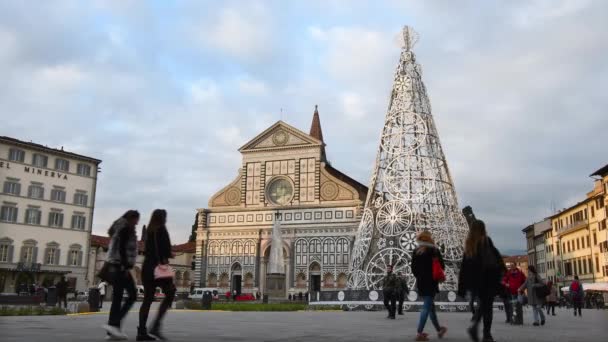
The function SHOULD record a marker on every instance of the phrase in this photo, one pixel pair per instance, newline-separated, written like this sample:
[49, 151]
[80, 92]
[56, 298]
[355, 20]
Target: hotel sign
[35, 171]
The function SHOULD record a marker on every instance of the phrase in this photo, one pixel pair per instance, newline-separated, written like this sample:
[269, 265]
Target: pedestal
[275, 286]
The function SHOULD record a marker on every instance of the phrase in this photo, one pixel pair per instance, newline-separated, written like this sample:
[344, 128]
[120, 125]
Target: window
[8, 213]
[29, 252]
[594, 238]
[35, 191]
[78, 222]
[51, 255]
[603, 225]
[590, 262]
[6, 250]
[592, 211]
[75, 256]
[57, 195]
[62, 165]
[588, 241]
[597, 265]
[15, 154]
[56, 219]
[12, 187]
[40, 160]
[81, 199]
[578, 244]
[32, 216]
[83, 170]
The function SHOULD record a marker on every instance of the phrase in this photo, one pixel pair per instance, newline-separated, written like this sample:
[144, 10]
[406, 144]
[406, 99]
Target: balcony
[572, 227]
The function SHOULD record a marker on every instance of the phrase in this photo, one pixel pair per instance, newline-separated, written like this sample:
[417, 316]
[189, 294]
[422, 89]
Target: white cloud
[352, 105]
[244, 31]
[252, 87]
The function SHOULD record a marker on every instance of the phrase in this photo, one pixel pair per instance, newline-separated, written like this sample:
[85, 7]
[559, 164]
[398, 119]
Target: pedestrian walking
[103, 287]
[390, 285]
[62, 292]
[577, 294]
[551, 299]
[403, 290]
[122, 253]
[535, 298]
[426, 259]
[157, 252]
[481, 274]
[513, 280]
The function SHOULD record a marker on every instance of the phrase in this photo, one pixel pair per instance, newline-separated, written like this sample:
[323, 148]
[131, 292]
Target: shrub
[30, 311]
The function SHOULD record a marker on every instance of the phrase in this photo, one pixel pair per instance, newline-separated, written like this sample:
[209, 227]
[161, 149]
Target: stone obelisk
[275, 274]
[411, 189]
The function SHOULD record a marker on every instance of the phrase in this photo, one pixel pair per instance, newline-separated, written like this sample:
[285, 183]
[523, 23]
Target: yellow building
[577, 243]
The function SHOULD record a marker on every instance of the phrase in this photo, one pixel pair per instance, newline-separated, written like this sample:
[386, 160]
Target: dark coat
[479, 277]
[154, 256]
[422, 268]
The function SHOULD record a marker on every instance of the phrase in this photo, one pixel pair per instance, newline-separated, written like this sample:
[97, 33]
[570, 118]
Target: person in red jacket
[512, 280]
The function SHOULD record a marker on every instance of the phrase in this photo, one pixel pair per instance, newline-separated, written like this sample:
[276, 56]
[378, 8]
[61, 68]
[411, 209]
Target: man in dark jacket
[62, 292]
[390, 287]
[403, 290]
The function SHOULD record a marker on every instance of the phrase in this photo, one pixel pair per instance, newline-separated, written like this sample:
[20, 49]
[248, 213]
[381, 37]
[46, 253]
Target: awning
[600, 287]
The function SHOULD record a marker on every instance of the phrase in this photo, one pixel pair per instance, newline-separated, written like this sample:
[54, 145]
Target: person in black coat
[157, 252]
[481, 274]
[422, 268]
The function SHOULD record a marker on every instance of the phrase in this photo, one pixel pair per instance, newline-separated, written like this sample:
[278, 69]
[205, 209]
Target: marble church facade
[284, 170]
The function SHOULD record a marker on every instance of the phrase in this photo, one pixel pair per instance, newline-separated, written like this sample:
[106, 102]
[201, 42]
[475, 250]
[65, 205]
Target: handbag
[542, 290]
[161, 271]
[438, 273]
[109, 271]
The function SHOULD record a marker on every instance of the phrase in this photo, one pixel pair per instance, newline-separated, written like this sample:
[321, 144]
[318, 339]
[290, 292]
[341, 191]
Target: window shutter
[80, 258]
[29, 191]
[11, 249]
[45, 257]
[35, 255]
[18, 188]
[5, 189]
[69, 258]
[57, 255]
[73, 221]
[22, 257]
[50, 224]
[61, 220]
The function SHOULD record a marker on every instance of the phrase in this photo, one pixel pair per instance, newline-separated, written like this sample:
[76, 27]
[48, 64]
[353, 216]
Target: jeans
[539, 315]
[551, 307]
[485, 311]
[508, 308]
[149, 289]
[577, 307]
[428, 309]
[390, 303]
[118, 310]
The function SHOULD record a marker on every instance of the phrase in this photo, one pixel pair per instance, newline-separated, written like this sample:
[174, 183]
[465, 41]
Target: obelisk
[275, 274]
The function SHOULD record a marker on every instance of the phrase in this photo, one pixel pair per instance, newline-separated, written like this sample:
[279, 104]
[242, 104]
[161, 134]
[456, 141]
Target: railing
[23, 266]
[575, 225]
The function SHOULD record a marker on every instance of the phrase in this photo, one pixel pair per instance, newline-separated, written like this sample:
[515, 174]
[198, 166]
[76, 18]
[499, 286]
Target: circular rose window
[280, 191]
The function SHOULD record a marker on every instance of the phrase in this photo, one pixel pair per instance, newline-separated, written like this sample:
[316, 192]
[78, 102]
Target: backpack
[575, 286]
[542, 290]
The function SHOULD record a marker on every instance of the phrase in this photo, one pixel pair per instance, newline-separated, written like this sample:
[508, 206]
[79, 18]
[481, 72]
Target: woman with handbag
[535, 298]
[122, 254]
[427, 267]
[480, 274]
[156, 272]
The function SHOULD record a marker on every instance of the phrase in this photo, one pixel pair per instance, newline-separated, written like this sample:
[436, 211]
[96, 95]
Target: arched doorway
[315, 276]
[237, 277]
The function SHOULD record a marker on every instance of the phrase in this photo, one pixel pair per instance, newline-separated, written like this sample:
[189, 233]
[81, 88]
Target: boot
[142, 335]
[155, 332]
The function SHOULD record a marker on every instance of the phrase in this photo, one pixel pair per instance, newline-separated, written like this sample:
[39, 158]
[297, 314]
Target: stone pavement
[302, 326]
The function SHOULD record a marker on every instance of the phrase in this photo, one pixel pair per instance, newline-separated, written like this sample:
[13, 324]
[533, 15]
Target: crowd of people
[483, 277]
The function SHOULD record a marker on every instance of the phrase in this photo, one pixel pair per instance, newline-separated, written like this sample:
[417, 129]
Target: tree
[194, 227]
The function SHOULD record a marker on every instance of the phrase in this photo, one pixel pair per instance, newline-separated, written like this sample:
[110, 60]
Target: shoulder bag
[161, 271]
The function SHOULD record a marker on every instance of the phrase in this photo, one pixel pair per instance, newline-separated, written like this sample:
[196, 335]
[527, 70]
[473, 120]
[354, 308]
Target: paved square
[302, 326]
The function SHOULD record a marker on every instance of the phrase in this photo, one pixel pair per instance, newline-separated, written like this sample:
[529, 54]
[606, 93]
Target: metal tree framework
[411, 189]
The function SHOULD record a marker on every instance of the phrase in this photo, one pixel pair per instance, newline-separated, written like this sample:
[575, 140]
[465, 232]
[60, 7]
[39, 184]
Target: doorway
[236, 283]
[315, 282]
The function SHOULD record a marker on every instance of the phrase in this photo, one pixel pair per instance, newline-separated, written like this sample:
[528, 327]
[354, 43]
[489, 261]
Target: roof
[602, 172]
[47, 149]
[515, 258]
[361, 189]
[560, 212]
[104, 241]
[315, 128]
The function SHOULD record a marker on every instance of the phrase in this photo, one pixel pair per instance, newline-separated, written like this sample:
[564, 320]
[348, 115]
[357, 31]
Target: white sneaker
[114, 333]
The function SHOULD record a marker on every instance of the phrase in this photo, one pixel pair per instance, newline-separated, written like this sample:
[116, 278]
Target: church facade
[284, 171]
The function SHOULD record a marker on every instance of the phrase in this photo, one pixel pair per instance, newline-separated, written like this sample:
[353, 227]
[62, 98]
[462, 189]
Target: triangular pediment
[278, 136]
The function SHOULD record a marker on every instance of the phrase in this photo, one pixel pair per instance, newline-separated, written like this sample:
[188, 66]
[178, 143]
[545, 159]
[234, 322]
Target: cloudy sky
[166, 93]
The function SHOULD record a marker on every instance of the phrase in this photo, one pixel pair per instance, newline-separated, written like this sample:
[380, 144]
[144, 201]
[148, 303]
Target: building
[576, 242]
[540, 238]
[182, 261]
[46, 214]
[286, 171]
[521, 261]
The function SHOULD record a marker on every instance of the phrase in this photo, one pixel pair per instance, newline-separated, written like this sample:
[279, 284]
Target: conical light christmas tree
[411, 189]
